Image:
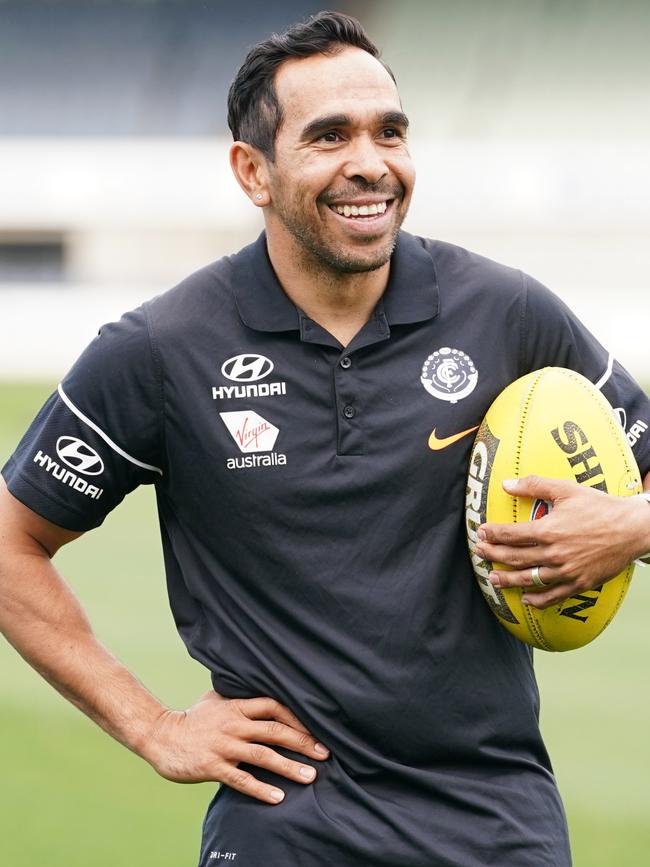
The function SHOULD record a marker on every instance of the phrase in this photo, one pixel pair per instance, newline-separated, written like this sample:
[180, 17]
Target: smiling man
[305, 409]
[335, 180]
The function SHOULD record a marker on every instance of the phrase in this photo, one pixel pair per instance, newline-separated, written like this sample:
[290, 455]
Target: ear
[250, 169]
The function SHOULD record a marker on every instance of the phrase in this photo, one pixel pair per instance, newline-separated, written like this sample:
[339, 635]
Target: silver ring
[537, 581]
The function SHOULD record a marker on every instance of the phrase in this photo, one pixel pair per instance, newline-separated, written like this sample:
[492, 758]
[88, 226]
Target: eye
[391, 133]
[330, 136]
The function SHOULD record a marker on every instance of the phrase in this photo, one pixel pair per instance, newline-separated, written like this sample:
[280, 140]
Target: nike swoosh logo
[437, 444]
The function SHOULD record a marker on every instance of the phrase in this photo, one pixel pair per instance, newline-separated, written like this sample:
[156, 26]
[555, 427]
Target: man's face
[342, 178]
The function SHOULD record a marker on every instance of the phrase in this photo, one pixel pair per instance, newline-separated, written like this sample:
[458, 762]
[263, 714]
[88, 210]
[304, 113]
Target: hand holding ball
[552, 423]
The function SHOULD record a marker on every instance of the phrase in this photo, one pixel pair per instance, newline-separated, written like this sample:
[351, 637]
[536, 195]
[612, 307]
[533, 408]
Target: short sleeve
[99, 435]
[552, 335]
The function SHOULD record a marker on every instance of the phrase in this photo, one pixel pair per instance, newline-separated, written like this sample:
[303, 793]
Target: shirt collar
[411, 294]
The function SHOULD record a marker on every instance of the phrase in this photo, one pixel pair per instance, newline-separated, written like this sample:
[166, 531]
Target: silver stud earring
[258, 196]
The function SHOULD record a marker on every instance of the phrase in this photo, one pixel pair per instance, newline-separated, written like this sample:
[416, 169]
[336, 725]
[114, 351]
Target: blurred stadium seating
[530, 129]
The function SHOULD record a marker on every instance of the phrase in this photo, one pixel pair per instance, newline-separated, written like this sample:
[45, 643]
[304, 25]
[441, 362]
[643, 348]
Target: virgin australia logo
[253, 434]
[250, 431]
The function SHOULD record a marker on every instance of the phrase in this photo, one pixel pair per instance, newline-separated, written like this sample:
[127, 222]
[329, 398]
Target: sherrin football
[552, 422]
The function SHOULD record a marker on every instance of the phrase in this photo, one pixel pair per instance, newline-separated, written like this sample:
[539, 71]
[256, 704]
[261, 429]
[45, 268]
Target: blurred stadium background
[530, 131]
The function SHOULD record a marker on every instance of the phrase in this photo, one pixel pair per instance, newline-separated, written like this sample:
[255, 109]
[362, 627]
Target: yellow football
[555, 423]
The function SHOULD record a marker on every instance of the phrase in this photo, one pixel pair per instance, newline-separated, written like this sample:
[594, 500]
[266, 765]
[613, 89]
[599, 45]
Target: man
[282, 401]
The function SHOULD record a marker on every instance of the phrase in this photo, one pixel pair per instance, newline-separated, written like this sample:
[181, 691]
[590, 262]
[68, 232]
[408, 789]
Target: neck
[340, 302]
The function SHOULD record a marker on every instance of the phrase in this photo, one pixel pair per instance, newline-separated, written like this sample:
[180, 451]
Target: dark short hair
[254, 111]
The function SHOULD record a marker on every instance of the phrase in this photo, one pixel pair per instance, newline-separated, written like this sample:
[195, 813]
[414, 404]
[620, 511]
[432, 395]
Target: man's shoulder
[459, 267]
[204, 295]
[198, 287]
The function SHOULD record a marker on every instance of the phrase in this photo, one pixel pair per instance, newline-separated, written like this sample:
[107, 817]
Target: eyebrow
[333, 121]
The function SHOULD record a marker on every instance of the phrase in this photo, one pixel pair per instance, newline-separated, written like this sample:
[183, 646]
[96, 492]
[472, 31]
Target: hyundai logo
[76, 454]
[246, 368]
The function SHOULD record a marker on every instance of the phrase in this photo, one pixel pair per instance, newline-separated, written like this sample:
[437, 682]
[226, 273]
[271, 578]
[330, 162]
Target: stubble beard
[319, 256]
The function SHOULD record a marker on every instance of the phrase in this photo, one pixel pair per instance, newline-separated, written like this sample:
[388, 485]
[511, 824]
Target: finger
[247, 784]
[521, 557]
[553, 596]
[539, 487]
[268, 708]
[522, 534]
[273, 732]
[265, 757]
[524, 578]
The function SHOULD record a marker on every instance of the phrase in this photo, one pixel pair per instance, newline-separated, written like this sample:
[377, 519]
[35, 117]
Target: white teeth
[360, 210]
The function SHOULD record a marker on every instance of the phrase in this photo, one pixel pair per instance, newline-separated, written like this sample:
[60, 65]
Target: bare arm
[44, 621]
[588, 538]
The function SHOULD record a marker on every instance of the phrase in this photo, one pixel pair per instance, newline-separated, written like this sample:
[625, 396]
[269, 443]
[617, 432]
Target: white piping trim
[66, 400]
[603, 379]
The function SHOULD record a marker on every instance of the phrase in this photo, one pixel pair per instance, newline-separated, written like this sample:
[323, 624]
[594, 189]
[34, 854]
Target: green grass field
[70, 796]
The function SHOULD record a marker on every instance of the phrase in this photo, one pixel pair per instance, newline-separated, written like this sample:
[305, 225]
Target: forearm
[646, 489]
[43, 620]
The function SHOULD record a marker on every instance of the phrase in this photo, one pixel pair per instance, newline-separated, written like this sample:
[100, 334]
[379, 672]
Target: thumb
[537, 487]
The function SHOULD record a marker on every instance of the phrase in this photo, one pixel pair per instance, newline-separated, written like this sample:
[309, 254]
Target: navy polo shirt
[311, 504]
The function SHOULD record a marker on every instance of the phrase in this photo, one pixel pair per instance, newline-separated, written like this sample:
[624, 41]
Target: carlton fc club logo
[449, 374]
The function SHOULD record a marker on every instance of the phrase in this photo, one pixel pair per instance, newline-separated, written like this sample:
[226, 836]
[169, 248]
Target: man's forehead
[320, 84]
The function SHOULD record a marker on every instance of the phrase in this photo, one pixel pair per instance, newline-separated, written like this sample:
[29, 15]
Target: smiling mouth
[363, 211]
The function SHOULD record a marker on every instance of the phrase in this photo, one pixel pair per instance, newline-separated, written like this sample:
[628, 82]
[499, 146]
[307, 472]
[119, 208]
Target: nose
[365, 161]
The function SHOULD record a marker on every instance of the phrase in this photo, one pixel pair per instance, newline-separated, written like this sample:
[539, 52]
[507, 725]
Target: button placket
[351, 436]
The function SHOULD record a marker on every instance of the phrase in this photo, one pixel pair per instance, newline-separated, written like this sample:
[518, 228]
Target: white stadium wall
[136, 215]
[530, 132]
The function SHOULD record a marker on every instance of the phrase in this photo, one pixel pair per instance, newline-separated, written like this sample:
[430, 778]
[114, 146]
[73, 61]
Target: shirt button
[345, 362]
[349, 411]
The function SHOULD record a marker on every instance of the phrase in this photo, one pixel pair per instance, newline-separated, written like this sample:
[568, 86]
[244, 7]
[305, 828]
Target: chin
[354, 259]
[356, 265]
[357, 261]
